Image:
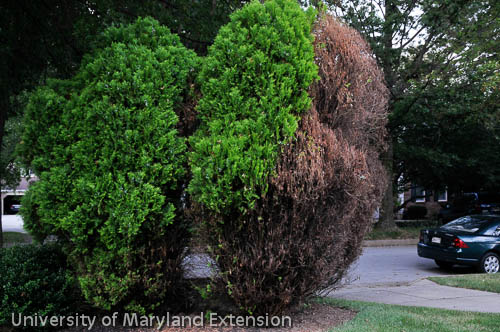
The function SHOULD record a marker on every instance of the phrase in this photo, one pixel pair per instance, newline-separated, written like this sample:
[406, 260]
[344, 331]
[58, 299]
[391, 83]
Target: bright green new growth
[255, 84]
[112, 165]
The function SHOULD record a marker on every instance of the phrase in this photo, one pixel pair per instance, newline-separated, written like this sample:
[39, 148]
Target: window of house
[420, 195]
[442, 196]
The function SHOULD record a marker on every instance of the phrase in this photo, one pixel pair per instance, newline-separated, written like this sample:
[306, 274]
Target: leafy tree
[454, 129]
[423, 48]
[112, 164]
[254, 85]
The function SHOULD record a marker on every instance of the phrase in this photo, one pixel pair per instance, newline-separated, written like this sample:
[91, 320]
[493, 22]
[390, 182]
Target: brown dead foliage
[302, 236]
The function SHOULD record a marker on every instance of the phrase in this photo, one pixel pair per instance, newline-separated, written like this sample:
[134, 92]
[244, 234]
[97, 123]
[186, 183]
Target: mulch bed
[314, 318]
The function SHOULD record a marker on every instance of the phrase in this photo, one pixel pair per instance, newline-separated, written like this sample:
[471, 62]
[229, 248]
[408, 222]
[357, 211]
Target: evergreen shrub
[36, 280]
[285, 164]
[109, 151]
[254, 85]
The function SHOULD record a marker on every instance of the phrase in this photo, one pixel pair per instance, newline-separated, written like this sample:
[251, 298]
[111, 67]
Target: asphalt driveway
[395, 266]
[12, 223]
[394, 275]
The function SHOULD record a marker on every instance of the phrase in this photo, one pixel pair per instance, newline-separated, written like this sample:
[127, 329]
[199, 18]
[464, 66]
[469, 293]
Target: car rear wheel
[490, 263]
[443, 264]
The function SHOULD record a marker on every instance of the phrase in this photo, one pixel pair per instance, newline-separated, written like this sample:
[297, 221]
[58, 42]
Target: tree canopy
[441, 65]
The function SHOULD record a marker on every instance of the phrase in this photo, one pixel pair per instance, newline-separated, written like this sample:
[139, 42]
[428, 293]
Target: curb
[389, 243]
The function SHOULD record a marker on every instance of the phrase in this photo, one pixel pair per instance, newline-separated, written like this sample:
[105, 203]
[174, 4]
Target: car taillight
[458, 243]
[421, 239]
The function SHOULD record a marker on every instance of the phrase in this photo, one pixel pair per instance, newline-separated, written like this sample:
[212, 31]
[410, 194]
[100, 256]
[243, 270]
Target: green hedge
[36, 280]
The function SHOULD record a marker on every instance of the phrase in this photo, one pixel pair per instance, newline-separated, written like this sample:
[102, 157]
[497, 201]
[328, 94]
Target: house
[10, 204]
[420, 196]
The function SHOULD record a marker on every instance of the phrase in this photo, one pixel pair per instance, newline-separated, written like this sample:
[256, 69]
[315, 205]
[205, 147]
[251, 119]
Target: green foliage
[49, 38]
[397, 233]
[29, 212]
[44, 114]
[10, 172]
[254, 84]
[35, 280]
[196, 21]
[111, 163]
[438, 61]
[428, 132]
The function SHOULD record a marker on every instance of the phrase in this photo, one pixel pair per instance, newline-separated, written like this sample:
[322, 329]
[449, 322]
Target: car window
[470, 224]
[493, 231]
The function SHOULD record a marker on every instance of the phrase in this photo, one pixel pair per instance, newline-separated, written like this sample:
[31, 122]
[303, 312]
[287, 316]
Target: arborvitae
[285, 167]
[254, 85]
[112, 166]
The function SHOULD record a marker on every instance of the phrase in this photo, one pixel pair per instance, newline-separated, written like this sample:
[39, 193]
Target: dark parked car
[488, 203]
[459, 207]
[470, 203]
[471, 240]
[15, 208]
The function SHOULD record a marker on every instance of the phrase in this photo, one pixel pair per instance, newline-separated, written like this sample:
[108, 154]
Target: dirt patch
[314, 318]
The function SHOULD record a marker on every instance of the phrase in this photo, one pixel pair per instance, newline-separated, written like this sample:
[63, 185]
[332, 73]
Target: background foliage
[48, 38]
[440, 64]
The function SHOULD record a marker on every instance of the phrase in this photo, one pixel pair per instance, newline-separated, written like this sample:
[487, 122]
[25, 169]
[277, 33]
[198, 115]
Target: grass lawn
[15, 237]
[399, 233]
[373, 317]
[483, 281]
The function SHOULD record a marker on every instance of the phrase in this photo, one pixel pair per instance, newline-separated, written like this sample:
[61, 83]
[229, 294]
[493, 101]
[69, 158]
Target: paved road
[377, 266]
[395, 266]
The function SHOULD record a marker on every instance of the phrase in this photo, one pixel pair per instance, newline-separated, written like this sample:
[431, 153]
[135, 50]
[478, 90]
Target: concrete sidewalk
[424, 293]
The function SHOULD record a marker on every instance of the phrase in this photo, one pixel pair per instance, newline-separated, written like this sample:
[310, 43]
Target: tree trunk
[4, 108]
[1, 226]
[386, 216]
